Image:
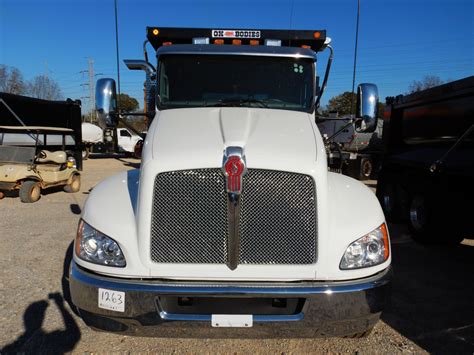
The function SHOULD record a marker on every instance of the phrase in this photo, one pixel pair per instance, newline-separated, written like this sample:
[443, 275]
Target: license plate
[232, 320]
[112, 300]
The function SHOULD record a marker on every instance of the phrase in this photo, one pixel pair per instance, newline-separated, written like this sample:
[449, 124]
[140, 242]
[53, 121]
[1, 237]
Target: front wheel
[30, 191]
[75, 184]
[392, 196]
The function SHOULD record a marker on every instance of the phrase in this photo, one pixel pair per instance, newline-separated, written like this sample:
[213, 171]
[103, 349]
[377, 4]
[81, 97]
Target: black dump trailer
[427, 174]
[17, 110]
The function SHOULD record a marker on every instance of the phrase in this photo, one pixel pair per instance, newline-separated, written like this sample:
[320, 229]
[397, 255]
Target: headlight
[372, 249]
[97, 248]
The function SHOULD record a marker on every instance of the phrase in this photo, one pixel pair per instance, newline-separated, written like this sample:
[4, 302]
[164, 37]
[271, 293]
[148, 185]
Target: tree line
[40, 87]
[342, 102]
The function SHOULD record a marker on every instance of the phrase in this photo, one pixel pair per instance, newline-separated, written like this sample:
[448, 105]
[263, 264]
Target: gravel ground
[431, 308]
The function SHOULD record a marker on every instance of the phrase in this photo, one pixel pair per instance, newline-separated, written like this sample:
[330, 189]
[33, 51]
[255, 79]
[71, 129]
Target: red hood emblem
[234, 169]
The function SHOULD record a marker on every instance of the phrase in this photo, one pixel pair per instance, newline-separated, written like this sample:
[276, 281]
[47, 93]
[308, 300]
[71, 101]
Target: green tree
[341, 103]
[127, 103]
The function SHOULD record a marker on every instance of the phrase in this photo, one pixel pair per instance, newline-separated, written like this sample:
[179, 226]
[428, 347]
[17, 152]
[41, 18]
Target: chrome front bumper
[330, 308]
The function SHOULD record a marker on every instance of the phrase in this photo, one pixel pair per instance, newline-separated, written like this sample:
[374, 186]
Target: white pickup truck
[233, 219]
[96, 139]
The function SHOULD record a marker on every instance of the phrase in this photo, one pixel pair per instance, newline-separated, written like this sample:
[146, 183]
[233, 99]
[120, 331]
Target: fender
[353, 211]
[111, 209]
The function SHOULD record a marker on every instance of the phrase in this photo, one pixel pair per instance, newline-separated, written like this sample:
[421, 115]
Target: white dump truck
[233, 219]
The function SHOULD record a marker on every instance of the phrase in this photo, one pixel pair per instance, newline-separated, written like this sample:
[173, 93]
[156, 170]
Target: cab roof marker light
[201, 40]
[273, 42]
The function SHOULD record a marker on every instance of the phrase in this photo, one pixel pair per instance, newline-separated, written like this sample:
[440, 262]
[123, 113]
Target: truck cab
[233, 218]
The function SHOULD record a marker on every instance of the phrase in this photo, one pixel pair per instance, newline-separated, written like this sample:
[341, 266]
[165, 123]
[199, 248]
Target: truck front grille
[277, 223]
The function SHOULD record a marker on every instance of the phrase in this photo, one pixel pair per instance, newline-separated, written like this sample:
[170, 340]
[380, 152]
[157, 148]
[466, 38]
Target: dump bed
[421, 128]
[51, 117]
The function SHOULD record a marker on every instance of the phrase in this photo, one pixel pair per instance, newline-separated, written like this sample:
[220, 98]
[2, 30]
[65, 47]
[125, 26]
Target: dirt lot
[431, 309]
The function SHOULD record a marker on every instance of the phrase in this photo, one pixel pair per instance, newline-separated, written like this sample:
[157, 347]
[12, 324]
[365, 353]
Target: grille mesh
[277, 218]
[189, 221]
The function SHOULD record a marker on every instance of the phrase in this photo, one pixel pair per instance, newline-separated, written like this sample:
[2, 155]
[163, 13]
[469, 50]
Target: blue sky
[400, 40]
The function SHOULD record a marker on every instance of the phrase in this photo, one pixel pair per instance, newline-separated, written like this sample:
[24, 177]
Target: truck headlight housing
[370, 250]
[96, 247]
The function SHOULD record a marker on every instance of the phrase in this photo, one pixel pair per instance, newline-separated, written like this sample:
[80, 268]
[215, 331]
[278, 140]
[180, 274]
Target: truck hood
[196, 138]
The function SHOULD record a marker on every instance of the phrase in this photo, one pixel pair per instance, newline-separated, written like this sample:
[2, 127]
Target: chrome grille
[189, 217]
[277, 218]
[277, 224]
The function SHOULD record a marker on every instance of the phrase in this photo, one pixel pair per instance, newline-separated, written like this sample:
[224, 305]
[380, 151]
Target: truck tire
[85, 153]
[30, 191]
[392, 197]
[366, 168]
[75, 184]
[428, 228]
[137, 150]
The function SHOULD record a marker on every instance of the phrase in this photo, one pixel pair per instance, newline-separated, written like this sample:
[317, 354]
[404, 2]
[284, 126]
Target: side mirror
[137, 64]
[367, 107]
[106, 103]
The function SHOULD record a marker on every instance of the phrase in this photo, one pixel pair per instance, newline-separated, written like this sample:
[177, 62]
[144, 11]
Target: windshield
[236, 81]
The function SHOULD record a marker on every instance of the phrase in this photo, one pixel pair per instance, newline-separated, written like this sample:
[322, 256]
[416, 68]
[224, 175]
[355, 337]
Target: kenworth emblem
[234, 168]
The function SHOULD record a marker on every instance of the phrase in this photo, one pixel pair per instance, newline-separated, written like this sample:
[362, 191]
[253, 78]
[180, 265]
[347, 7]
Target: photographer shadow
[35, 339]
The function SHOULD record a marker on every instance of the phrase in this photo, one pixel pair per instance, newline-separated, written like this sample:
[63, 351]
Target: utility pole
[91, 85]
[91, 88]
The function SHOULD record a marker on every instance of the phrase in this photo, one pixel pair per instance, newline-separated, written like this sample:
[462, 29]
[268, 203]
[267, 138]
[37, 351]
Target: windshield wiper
[239, 101]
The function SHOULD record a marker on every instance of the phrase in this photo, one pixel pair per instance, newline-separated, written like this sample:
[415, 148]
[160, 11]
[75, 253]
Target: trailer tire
[30, 191]
[75, 184]
[428, 228]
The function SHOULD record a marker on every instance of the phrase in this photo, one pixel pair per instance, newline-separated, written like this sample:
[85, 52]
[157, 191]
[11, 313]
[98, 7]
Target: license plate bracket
[232, 320]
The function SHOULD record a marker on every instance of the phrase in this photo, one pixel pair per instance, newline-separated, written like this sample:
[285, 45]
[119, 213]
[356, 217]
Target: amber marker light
[79, 237]
[156, 32]
[317, 35]
[218, 41]
[386, 242]
[167, 43]
[305, 46]
[254, 42]
[236, 42]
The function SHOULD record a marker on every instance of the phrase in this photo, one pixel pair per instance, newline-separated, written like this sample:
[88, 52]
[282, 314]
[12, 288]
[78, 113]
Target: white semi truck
[233, 219]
